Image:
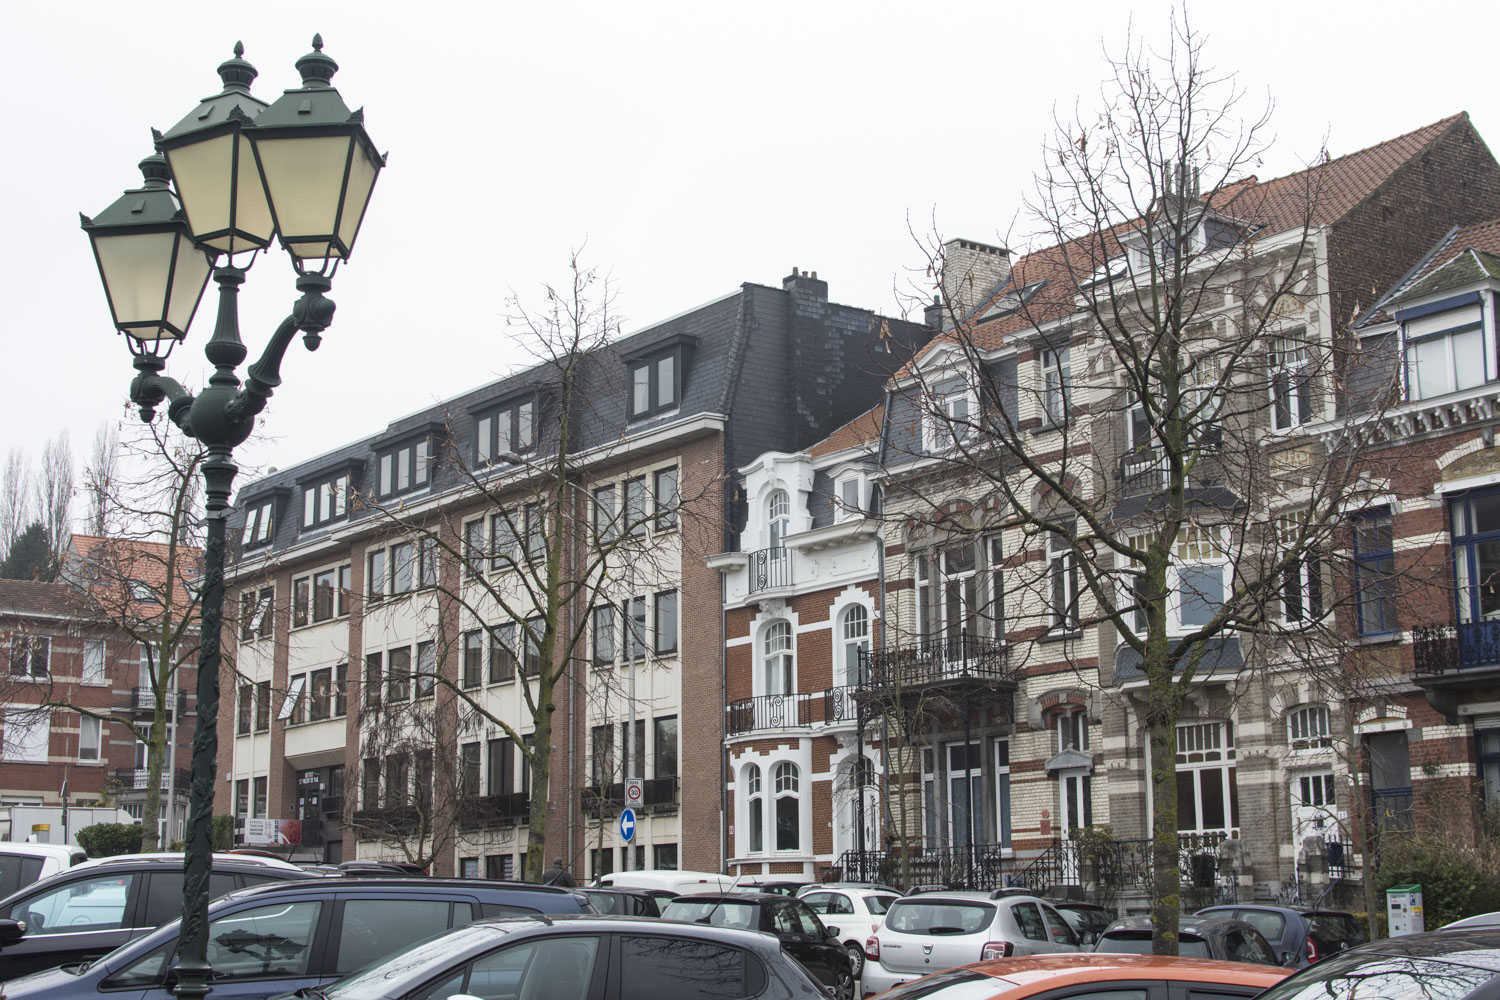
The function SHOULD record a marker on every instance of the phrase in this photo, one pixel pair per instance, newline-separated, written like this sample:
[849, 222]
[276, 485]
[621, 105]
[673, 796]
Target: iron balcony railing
[140, 777]
[144, 699]
[1443, 649]
[834, 706]
[479, 811]
[937, 660]
[658, 795]
[1143, 471]
[770, 569]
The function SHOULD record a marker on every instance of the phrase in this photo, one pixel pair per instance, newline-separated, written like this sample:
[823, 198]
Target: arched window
[788, 808]
[856, 632]
[1307, 727]
[776, 645]
[779, 517]
[755, 801]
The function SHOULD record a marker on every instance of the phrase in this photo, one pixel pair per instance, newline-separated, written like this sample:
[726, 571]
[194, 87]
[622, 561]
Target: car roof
[970, 896]
[1070, 969]
[733, 897]
[1195, 923]
[1473, 946]
[219, 859]
[1301, 911]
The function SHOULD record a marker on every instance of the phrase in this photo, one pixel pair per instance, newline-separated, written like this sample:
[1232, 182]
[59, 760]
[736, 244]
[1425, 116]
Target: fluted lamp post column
[301, 170]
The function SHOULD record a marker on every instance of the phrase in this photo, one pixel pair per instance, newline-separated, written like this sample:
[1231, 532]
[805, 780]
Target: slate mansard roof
[783, 365]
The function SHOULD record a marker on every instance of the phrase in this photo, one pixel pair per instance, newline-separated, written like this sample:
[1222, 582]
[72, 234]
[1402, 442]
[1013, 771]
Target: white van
[23, 863]
[671, 879]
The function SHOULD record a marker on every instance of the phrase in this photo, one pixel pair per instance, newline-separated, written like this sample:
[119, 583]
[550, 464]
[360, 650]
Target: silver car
[936, 931]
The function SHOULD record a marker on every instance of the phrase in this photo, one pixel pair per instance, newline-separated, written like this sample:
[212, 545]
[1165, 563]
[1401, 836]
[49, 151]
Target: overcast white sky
[693, 146]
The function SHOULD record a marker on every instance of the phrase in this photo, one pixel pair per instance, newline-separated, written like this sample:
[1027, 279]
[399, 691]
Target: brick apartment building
[382, 590]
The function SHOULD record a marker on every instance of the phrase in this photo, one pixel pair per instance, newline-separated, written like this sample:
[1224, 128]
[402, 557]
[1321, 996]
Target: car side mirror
[11, 931]
[833, 932]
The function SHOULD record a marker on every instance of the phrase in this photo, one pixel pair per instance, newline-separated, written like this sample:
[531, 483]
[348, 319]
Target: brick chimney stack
[971, 273]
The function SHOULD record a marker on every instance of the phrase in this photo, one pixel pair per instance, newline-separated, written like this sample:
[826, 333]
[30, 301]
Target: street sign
[627, 825]
[635, 792]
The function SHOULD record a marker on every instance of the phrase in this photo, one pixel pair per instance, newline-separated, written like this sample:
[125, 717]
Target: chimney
[971, 273]
[933, 314]
[802, 283]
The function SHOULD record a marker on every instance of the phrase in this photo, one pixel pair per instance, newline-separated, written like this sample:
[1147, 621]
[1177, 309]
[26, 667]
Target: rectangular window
[293, 708]
[373, 674]
[398, 673]
[1062, 574]
[427, 562]
[664, 742]
[90, 737]
[262, 706]
[604, 515]
[345, 574]
[320, 696]
[474, 551]
[665, 624]
[1291, 388]
[636, 506]
[397, 781]
[536, 533]
[325, 501]
[404, 468]
[511, 428]
[262, 799]
[1375, 573]
[502, 653]
[93, 662]
[258, 524]
[1057, 386]
[1199, 565]
[246, 710]
[468, 769]
[29, 655]
[654, 385]
[502, 768]
[635, 628]
[633, 764]
[247, 615]
[242, 798]
[426, 676]
[531, 661]
[664, 488]
[375, 575]
[1446, 361]
[602, 762]
[503, 540]
[369, 784]
[473, 670]
[603, 634]
[403, 566]
[324, 584]
[301, 592]
[341, 690]
[664, 857]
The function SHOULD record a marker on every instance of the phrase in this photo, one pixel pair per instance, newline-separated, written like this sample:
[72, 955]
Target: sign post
[627, 825]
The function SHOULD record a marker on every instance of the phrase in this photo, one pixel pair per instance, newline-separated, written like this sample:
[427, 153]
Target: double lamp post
[300, 169]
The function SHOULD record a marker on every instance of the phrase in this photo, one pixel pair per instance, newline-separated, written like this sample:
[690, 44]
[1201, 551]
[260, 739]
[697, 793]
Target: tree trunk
[1166, 872]
[156, 752]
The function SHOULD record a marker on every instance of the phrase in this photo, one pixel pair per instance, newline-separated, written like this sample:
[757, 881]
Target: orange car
[1093, 977]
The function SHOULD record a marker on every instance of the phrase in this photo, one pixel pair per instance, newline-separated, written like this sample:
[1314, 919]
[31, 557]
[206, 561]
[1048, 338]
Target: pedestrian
[558, 875]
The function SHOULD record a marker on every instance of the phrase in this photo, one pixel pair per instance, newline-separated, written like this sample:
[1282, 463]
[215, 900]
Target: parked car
[780, 886]
[94, 907]
[1116, 977]
[667, 878]
[875, 886]
[22, 864]
[628, 902]
[1088, 920]
[1300, 936]
[803, 935]
[928, 933]
[856, 912]
[573, 958]
[1439, 965]
[1215, 937]
[293, 935]
[1491, 919]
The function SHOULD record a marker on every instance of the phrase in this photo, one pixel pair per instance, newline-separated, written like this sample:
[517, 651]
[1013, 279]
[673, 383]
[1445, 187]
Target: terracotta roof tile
[862, 430]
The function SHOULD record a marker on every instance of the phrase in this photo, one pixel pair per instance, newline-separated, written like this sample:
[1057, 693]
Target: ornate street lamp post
[300, 169]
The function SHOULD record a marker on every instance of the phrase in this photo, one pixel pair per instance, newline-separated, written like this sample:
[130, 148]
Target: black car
[275, 939]
[1197, 937]
[91, 909]
[802, 934]
[628, 902]
[1299, 935]
[1442, 965]
[585, 958]
[1088, 920]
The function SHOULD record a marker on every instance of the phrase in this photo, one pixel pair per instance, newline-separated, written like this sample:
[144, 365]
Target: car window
[1389, 977]
[1058, 928]
[1030, 921]
[606, 902]
[271, 941]
[840, 903]
[1254, 948]
[959, 984]
[718, 912]
[1331, 927]
[554, 968]
[144, 971]
[654, 967]
[1270, 923]
[879, 904]
[811, 925]
[1137, 943]
[818, 902]
[86, 904]
[784, 919]
[915, 917]
[372, 929]
[17, 871]
[164, 895]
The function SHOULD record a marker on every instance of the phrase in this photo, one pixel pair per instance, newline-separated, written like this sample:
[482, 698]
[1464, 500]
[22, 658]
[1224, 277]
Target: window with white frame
[1062, 578]
[788, 807]
[1443, 358]
[90, 737]
[960, 593]
[1200, 568]
[258, 523]
[778, 517]
[93, 662]
[778, 667]
[1291, 384]
[28, 732]
[847, 505]
[1002, 791]
[1073, 731]
[951, 417]
[854, 628]
[1207, 796]
[755, 808]
[1307, 727]
[1302, 579]
[1057, 385]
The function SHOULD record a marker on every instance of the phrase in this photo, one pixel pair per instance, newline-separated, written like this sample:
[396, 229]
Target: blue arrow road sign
[627, 825]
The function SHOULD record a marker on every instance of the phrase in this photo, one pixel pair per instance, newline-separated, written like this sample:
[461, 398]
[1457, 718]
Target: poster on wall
[278, 832]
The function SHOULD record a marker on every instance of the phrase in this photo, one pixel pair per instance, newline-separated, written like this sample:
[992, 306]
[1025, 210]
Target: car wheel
[856, 958]
[845, 988]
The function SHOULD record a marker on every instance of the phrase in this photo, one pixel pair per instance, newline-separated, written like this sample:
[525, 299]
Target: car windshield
[416, 963]
[879, 904]
[719, 912]
[1386, 977]
[1139, 943]
[938, 916]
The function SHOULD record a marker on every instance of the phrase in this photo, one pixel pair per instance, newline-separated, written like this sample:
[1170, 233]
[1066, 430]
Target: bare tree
[1110, 407]
[16, 498]
[100, 478]
[54, 488]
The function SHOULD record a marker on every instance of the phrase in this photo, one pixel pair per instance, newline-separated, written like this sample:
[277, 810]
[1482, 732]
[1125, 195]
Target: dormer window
[258, 524]
[510, 427]
[850, 501]
[951, 417]
[1444, 354]
[656, 378]
[405, 467]
[325, 500]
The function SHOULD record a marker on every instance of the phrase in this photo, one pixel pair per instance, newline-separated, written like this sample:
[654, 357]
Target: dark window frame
[655, 401]
[419, 455]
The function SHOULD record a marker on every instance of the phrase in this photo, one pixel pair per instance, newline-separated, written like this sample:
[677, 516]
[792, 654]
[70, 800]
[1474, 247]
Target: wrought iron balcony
[939, 661]
[140, 777]
[1143, 471]
[480, 811]
[786, 711]
[770, 569]
[144, 699]
[1453, 649]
